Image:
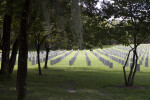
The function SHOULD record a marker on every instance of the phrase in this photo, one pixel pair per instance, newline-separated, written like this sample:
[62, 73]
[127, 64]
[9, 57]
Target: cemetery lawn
[78, 82]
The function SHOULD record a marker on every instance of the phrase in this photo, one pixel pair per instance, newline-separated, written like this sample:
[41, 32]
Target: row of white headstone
[118, 55]
[33, 56]
[120, 61]
[141, 53]
[54, 61]
[88, 61]
[72, 60]
[56, 54]
[104, 61]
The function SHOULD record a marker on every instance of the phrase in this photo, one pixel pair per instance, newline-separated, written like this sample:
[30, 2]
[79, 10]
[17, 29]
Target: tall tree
[6, 38]
[14, 44]
[13, 57]
[23, 52]
[38, 36]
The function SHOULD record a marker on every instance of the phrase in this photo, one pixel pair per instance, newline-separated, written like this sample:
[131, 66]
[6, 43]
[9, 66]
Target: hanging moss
[61, 19]
[46, 15]
[76, 20]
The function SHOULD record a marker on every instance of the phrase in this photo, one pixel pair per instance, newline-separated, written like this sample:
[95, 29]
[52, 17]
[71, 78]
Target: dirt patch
[71, 90]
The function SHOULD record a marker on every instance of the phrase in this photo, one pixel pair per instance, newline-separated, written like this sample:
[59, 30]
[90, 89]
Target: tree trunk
[132, 72]
[133, 67]
[124, 71]
[132, 80]
[39, 65]
[46, 60]
[12, 60]
[23, 53]
[6, 45]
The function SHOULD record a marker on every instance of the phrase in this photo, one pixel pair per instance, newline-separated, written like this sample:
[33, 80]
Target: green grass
[95, 82]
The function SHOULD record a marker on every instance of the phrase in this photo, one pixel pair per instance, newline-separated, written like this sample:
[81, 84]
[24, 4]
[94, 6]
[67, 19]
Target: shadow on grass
[76, 83]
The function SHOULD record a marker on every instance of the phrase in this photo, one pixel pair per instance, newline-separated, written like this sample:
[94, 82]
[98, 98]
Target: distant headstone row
[104, 61]
[120, 61]
[32, 56]
[116, 54]
[56, 54]
[52, 62]
[119, 54]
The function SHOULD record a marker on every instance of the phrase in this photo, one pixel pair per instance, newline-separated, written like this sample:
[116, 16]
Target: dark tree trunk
[130, 80]
[124, 71]
[39, 65]
[12, 60]
[6, 45]
[46, 60]
[23, 53]
[38, 45]
[133, 67]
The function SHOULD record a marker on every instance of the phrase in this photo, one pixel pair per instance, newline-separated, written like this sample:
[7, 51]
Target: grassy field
[78, 82]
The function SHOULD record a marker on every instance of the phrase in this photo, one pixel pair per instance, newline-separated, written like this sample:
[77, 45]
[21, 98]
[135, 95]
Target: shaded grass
[95, 82]
[88, 85]
[104, 46]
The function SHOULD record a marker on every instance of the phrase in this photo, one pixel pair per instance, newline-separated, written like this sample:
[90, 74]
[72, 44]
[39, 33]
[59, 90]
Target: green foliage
[37, 32]
[13, 8]
[135, 18]
[58, 38]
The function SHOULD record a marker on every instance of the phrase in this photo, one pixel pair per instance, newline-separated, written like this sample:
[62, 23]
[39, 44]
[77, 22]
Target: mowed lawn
[79, 81]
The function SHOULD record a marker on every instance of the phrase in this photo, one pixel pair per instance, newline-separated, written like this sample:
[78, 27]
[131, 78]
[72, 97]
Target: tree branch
[43, 39]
